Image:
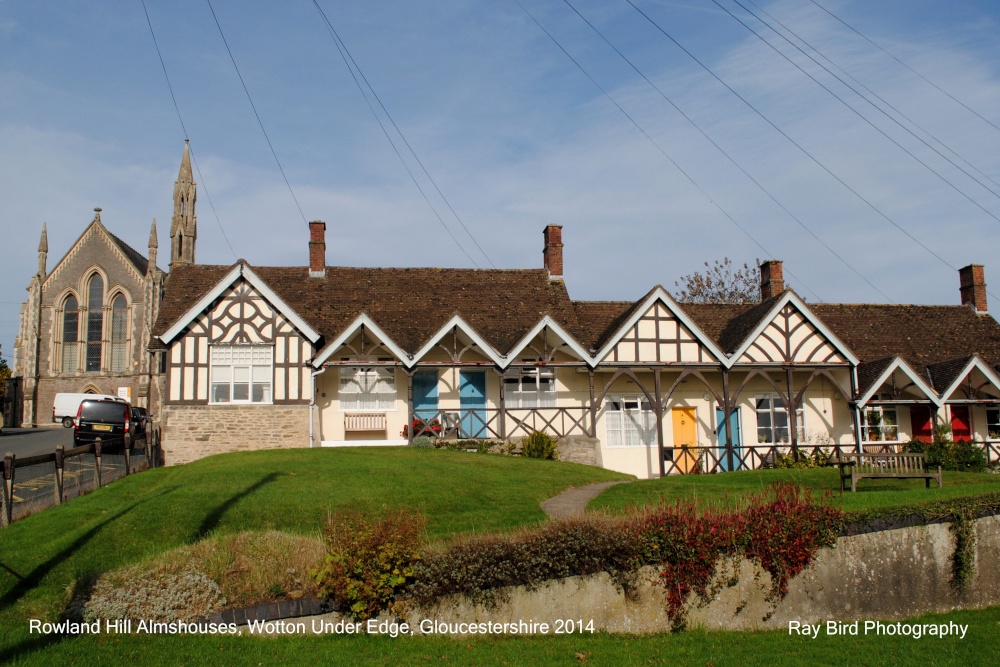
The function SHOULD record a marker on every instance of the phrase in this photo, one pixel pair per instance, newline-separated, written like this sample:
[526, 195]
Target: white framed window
[772, 420]
[993, 423]
[241, 373]
[880, 423]
[629, 421]
[367, 389]
[530, 388]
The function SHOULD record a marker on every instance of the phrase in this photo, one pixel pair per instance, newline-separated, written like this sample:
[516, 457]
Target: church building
[87, 323]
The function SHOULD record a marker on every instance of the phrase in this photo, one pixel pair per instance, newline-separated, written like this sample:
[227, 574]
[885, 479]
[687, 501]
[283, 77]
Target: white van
[65, 407]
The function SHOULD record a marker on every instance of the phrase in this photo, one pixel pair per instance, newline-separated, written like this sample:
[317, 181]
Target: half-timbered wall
[658, 336]
[791, 337]
[241, 316]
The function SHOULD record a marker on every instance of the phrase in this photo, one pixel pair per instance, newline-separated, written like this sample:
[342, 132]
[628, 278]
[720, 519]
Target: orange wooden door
[685, 439]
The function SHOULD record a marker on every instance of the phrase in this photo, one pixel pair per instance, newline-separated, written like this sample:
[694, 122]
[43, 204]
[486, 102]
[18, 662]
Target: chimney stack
[317, 249]
[552, 255]
[972, 286]
[772, 279]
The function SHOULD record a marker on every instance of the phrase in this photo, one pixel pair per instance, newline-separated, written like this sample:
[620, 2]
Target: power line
[201, 177]
[789, 138]
[348, 59]
[726, 154]
[861, 115]
[655, 143]
[928, 81]
[257, 115]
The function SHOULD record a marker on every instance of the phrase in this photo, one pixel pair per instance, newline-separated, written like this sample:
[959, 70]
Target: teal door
[721, 453]
[472, 402]
[425, 394]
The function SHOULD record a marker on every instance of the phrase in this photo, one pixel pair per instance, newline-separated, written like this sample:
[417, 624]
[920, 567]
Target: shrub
[961, 456]
[369, 562]
[818, 459]
[539, 445]
[423, 442]
[480, 568]
[159, 596]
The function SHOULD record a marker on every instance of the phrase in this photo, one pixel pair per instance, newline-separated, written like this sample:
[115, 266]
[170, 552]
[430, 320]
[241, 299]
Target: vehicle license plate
[102, 427]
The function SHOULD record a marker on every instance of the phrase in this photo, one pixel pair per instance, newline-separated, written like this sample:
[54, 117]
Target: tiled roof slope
[599, 320]
[138, 261]
[922, 335]
[410, 305]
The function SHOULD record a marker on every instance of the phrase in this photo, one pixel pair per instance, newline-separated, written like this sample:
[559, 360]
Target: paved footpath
[573, 502]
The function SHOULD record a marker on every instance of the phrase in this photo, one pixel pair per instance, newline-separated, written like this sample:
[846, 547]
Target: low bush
[481, 568]
[159, 596]
[539, 445]
[423, 442]
[369, 562]
[961, 456]
[818, 459]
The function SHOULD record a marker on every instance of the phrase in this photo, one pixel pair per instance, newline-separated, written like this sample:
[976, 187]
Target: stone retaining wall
[889, 574]
[196, 431]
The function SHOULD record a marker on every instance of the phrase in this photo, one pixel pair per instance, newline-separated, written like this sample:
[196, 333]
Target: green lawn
[697, 648]
[44, 556]
[729, 488]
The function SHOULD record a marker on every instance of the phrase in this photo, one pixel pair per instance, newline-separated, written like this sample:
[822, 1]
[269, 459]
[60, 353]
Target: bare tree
[721, 282]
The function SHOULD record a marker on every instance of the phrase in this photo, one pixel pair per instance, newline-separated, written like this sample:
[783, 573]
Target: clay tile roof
[922, 335]
[726, 323]
[943, 373]
[599, 320]
[410, 305]
[870, 371]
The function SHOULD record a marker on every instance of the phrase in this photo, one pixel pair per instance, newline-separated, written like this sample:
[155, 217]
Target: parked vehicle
[65, 406]
[140, 419]
[109, 420]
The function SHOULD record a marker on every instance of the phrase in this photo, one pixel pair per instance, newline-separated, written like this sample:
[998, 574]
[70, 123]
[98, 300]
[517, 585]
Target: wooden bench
[879, 466]
[364, 421]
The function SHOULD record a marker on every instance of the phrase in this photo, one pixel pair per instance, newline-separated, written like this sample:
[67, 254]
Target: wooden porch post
[409, 405]
[593, 405]
[502, 416]
[727, 420]
[658, 407]
[855, 412]
[793, 422]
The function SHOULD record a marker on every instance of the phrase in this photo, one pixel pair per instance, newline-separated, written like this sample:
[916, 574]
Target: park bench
[880, 466]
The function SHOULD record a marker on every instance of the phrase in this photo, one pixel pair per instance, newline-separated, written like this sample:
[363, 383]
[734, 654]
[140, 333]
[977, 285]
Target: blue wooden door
[472, 401]
[721, 453]
[425, 394]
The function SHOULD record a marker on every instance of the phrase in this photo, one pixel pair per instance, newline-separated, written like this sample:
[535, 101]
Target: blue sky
[514, 135]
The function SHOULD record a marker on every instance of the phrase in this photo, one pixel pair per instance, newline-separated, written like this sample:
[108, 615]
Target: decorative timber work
[792, 338]
[659, 336]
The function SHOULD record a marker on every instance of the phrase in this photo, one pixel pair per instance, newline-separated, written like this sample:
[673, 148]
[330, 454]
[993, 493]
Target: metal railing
[34, 483]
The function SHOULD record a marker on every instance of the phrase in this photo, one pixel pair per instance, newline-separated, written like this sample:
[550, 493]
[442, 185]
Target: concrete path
[573, 501]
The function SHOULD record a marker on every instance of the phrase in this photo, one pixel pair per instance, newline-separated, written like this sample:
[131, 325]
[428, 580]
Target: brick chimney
[972, 286]
[772, 279]
[317, 249]
[552, 255]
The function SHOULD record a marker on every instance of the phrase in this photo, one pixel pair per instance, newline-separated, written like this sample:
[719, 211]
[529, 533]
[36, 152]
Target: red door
[922, 423]
[961, 425]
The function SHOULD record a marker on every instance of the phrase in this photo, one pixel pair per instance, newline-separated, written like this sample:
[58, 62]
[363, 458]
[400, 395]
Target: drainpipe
[312, 408]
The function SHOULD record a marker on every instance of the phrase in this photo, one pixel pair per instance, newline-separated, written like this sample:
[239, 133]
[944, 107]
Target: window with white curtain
[530, 388]
[629, 422]
[367, 389]
[241, 373]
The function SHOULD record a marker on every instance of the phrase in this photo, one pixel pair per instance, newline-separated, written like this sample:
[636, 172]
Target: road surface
[22, 442]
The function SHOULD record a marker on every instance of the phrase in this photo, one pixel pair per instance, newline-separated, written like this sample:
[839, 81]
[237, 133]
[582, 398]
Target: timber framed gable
[660, 332]
[791, 333]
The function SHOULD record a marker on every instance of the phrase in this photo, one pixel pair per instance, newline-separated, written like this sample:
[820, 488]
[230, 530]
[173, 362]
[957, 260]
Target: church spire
[43, 251]
[153, 245]
[184, 225]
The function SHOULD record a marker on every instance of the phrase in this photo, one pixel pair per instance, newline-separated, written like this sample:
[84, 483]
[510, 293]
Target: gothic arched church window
[119, 334]
[95, 323]
[70, 334]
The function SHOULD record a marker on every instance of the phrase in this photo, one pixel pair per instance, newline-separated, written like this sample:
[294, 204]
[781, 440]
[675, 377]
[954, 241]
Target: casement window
[880, 423]
[95, 323]
[629, 422]
[367, 389]
[70, 335]
[119, 334]
[772, 420]
[993, 423]
[241, 373]
[530, 388]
